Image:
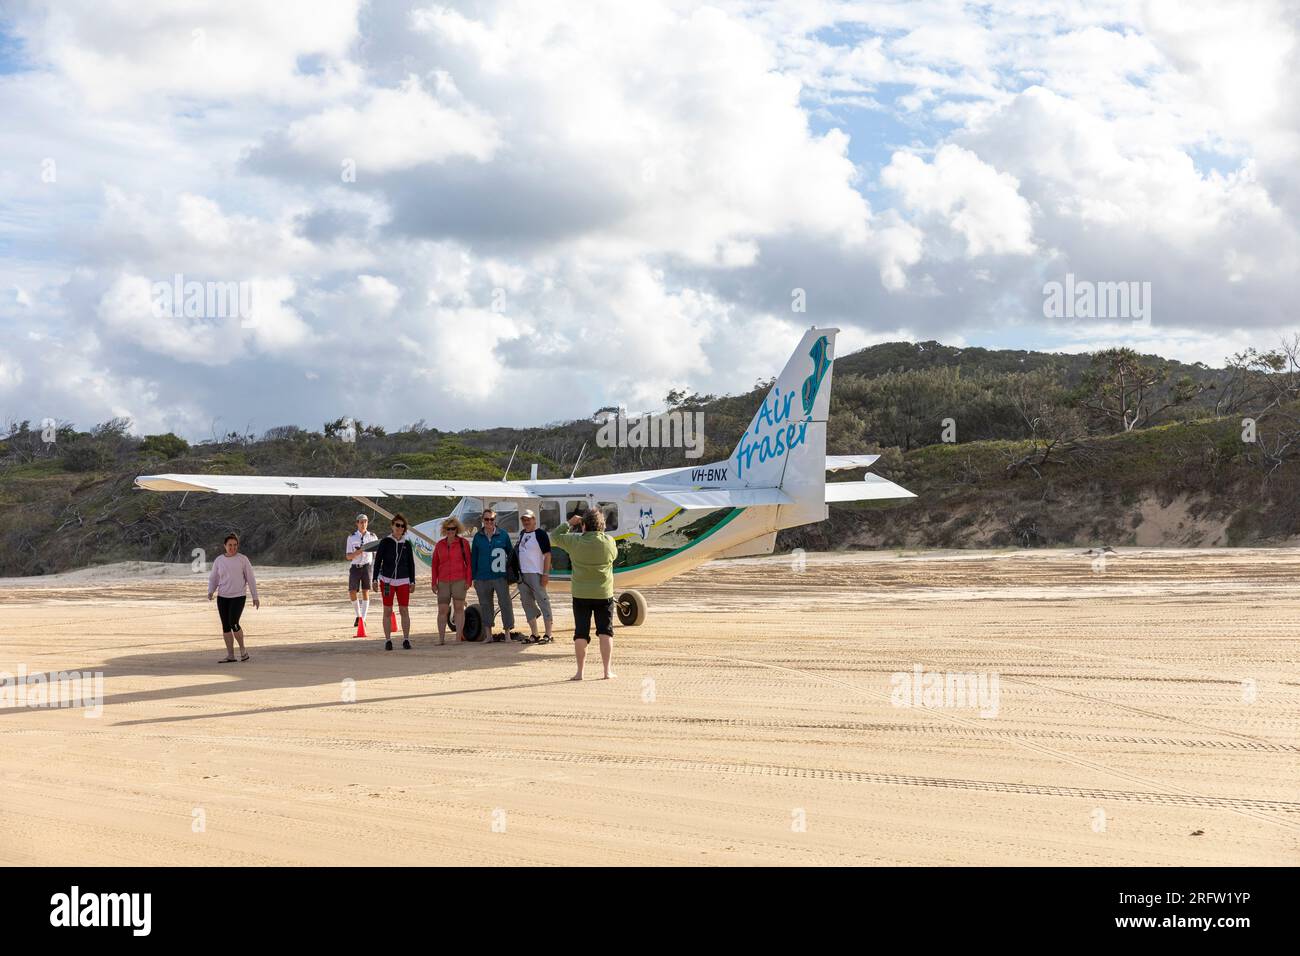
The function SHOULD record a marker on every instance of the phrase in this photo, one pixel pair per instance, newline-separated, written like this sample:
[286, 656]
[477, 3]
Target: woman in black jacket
[395, 569]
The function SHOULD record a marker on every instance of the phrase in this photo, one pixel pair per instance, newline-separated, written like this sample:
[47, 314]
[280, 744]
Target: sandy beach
[1147, 713]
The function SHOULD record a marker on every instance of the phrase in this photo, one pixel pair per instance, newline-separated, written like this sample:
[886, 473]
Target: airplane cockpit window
[470, 514]
[610, 510]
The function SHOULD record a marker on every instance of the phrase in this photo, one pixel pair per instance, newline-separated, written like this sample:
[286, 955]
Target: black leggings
[230, 609]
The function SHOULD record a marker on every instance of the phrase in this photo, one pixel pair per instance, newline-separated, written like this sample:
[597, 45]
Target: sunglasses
[399, 526]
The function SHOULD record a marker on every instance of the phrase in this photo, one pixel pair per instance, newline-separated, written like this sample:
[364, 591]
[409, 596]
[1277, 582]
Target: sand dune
[1147, 713]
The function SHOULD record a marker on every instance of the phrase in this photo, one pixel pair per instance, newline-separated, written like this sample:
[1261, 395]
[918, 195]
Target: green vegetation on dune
[55, 518]
[1220, 489]
[1003, 449]
[448, 459]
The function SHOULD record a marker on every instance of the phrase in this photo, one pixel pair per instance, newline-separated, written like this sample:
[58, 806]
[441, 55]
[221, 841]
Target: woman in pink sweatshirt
[231, 574]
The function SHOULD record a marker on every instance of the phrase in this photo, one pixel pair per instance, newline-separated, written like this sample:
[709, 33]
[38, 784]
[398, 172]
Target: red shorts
[403, 592]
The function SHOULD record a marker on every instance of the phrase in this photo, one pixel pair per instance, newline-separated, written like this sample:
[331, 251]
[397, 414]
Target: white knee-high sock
[363, 605]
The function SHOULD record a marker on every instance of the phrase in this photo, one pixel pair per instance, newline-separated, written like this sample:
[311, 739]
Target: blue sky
[12, 59]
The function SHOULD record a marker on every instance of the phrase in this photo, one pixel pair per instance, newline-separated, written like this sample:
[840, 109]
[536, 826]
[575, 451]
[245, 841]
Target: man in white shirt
[534, 550]
[359, 570]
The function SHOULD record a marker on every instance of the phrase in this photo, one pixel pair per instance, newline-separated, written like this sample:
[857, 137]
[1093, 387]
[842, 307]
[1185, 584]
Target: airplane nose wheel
[631, 608]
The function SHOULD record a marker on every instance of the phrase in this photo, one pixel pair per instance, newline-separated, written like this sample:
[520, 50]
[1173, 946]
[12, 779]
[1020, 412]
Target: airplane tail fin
[781, 457]
[784, 445]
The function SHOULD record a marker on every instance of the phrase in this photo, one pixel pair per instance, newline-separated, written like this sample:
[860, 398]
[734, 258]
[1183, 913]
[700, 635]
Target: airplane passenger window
[610, 510]
[549, 515]
[572, 508]
[508, 521]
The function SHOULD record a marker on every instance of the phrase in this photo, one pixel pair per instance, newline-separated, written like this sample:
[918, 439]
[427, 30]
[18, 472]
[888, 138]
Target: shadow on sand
[274, 667]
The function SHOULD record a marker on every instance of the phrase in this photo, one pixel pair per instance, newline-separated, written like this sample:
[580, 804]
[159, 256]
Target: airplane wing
[336, 487]
[845, 462]
[873, 488]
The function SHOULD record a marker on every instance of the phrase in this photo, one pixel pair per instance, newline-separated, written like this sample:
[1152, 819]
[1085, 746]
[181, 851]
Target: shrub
[87, 456]
[168, 446]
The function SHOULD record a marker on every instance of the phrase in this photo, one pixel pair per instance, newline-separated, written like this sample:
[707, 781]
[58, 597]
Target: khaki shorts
[447, 590]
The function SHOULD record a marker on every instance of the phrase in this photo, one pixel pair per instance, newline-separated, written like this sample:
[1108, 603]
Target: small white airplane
[665, 521]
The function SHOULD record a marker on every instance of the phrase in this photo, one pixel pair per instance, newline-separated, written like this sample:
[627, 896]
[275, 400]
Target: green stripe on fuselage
[729, 516]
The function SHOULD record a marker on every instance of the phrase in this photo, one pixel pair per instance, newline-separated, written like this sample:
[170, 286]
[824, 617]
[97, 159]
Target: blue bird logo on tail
[813, 383]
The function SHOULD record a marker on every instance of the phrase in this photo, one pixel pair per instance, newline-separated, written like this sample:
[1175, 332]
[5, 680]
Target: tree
[1053, 427]
[1127, 393]
[286, 433]
[113, 428]
[1265, 386]
[1261, 381]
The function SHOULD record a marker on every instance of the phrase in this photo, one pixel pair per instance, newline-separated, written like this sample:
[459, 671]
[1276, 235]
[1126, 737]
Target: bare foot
[576, 677]
[609, 675]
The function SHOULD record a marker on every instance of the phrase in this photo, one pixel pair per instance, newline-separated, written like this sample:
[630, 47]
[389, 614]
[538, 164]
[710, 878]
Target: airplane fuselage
[655, 542]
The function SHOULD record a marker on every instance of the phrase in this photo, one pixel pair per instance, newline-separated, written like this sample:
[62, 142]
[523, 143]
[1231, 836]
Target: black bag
[513, 574]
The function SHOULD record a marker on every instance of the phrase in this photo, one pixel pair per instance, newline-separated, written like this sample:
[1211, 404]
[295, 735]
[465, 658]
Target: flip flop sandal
[226, 660]
[244, 658]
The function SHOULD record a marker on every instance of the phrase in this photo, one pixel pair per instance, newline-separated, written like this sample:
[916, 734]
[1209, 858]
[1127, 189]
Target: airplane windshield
[470, 514]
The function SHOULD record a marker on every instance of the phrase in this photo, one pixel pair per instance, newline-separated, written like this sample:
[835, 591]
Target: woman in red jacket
[451, 576]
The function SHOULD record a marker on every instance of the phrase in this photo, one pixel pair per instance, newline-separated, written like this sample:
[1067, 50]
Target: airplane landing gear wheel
[631, 608]
[473, 623]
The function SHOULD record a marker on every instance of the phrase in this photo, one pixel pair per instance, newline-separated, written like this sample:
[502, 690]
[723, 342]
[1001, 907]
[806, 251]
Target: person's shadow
[274, 667]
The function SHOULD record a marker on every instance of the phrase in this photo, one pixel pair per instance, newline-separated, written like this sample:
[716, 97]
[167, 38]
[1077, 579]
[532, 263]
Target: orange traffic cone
[361, 627]
[392, 620]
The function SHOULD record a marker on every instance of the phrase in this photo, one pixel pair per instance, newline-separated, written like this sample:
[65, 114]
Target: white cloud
[975, 200]
[11, 375]
[380, 293]
[128, 308]
[274, 324]
[396, 129]
[118, 52]
[677, 114]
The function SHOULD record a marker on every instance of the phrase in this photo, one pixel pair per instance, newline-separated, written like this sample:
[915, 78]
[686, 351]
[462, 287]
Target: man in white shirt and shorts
[359, 569]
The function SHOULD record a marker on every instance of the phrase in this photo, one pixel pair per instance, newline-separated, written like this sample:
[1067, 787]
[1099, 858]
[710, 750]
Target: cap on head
[527, 513]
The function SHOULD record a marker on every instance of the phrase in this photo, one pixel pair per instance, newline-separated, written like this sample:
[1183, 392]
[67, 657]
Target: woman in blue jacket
[490, 556]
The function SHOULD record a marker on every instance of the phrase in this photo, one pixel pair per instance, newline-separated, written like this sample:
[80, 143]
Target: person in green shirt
[591, 553]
